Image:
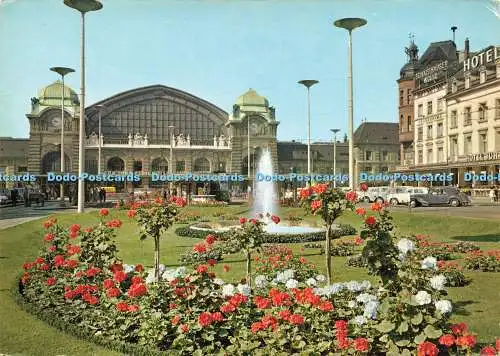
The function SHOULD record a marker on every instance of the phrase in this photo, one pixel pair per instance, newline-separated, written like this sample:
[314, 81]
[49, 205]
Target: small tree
[330, 203]
[154, 220]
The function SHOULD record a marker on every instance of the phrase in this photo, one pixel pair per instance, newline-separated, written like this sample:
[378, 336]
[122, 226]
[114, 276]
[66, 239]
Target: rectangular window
[483, 142]
[453, 119]
[482, 77]
[440, 105]
[408, 96]
[467, 116]
[410, 124]
[180, 166]
[440, 130]
[420, 110]
[467, 144]
[420, 156]
[440, 157]
[368, 155]
[22, 169]
[429, 108]
[420, 133]
[483, 112]
[368, 169]
[429, 132]
[453, 146]
[429, 156]
[497, 109]
[385, 156]
[401, 96]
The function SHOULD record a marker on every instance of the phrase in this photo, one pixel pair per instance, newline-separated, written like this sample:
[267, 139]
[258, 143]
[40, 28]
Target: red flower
[459, 329]
[447, 340]
[296, 319]
[351, 196]
[74, 228]
[133, 308]
[427, 349]
[73, 234]
[253, 221]
[285, 314]
[73, 250]
[341, 325]
[315, 204]
[92, 272]
[114, 223]
[131, 213]
[217, 316]
[139, 268]
[137, 290]
[319, 188]
[172, 306]
[113, 292]
[370, 221]
[226, 268]
[40, 260]
[44, 267]
[200, 248]
[51, 281]
[176, 319]
[49, 237]
[93, 300]
[326, 306]
[377, 207]
[279, 298]
[497, 345]
[488, 351]
[212, 262]
[361, 211]
[136, 280]
[184, 328]
[87, 229]
[363, 187]
[121, 306]
[467, 341]
[116, 267]
[358, 240]
[361, 344]
[257, 326]
[227, 308]
[104, 212]
[28, 266]
[261, 302]
[275, 219]
[305, 193]
[120, 276]
[210, 239]
[243, 220]
[71, 263]
[205, 319]
[202, 269]
[52, 248]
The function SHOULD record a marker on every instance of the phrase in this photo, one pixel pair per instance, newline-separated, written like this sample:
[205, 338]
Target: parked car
[401, 195]
[374, 194]
[4, 197]
[440, 196]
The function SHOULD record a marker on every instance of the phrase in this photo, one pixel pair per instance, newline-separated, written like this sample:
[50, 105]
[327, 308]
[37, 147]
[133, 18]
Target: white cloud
[494, 7]
[6, 2]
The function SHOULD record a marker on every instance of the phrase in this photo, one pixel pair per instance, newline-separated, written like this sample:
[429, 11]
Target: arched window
[159, 165]
[201, 165]
[137, 166]
[115, 164]
[51, 162]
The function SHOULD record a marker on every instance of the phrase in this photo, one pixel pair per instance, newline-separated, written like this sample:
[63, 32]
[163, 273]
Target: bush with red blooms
[204, 251]
[485, 261]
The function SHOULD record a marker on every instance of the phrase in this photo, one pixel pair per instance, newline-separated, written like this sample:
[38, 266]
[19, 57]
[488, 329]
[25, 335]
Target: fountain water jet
[265, 194]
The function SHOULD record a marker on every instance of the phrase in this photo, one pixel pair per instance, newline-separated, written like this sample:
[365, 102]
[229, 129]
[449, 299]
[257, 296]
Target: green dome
[251, 98]
[51, 94]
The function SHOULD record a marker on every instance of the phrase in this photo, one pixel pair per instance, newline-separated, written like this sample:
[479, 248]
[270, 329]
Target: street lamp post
[308, 83]
[248, 157]
[350, 24]
[99, 107]
[83, 6]
[334, 156]
[171, 163]
[62, 71]
[254, 168]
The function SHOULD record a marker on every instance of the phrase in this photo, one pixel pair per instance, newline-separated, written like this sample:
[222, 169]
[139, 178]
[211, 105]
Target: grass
[478, 304]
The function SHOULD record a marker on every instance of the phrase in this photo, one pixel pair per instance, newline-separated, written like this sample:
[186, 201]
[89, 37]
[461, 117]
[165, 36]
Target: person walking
[104, 195]
[101, 197]
[13, 197]
[497, 198]
[492, 194]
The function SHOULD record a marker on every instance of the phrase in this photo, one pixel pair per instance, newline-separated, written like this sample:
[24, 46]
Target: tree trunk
[328, 259]
[249, 268]
[157, 259]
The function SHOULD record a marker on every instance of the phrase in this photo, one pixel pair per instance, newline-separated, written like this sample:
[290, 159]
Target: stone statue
[215, 141]
[189, 140]
[181, 141]
[221, 140]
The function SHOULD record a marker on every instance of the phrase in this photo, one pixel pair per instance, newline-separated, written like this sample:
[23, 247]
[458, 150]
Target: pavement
[11, 216]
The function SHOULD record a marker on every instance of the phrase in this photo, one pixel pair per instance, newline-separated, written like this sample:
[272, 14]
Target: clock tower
[252, 126]
[45, 130]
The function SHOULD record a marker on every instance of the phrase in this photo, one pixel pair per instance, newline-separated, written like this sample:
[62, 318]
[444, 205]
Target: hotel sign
[482, 58]
[432, 73]
[483, 156]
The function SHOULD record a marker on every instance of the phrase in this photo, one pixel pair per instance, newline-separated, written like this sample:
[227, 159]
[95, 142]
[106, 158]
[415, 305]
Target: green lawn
[478, 304]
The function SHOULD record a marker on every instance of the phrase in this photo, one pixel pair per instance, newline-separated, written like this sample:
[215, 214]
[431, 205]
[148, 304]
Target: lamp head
[84, 5]
[334, 131]
[62, 70]
[350, 23]
[308, 82]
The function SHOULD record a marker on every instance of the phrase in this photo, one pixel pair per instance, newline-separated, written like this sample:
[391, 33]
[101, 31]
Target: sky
[218, 49]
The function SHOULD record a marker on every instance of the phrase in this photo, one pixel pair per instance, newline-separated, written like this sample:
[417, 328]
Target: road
[10, 216]
[474, 212]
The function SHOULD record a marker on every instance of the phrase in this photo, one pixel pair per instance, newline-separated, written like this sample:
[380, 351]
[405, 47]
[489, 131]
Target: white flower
[359, 320]
[218, 281]
[429, 263]
[320, 278]
[128, 268]
[311, 282]
[228, 290]
[423, 298]
[365, 285]
[438, 282]
[150, 278]
[244, 289]
[405, 246]
[162, 268]
[351, 304]
[354, 286]
[260, 281]
[443, 306]
[371, 309]
[365, 298]
[292, 283]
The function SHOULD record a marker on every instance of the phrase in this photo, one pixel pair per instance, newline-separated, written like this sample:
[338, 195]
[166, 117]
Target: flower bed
[483, 261]
[341, 248]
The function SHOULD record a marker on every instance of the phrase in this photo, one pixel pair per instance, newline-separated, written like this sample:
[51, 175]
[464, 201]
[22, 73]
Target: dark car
[440, 196]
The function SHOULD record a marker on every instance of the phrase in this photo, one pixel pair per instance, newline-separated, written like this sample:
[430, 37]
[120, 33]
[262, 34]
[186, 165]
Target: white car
[401, 195]
[374, 194]
[4, 197]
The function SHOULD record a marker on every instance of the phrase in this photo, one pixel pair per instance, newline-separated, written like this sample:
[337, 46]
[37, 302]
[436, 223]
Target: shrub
[483, 261]
[355, 261]
[464, 247]
[341, 248]
[453, 273]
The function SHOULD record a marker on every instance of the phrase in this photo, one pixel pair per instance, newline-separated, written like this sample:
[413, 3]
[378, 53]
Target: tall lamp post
[99, 107]
[62, 71]
[334, 156]
[171, 163]
[350, 24]
[83, 6]
[308, 83]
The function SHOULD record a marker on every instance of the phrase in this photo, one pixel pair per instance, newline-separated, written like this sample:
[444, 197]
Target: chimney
[453, 29]
[466, 49]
